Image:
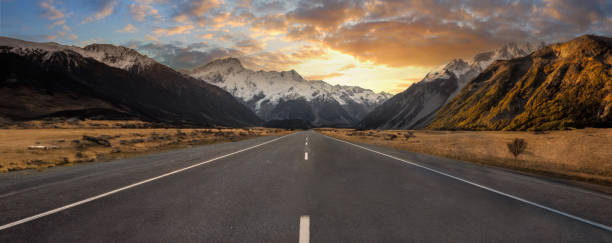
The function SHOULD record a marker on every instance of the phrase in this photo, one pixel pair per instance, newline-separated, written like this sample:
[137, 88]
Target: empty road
[303, 187]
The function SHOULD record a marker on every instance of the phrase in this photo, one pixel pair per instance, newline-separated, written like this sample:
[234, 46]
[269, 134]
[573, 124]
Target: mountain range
[286, 95]
[41, 80]
[417, 106]
[560, 86]
[516, 87]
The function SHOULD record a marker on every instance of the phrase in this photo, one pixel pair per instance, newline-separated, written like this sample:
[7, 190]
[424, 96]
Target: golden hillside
[560, 86]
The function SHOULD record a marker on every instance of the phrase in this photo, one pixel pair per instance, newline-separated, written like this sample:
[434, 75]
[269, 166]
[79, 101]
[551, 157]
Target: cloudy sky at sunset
[381, 45]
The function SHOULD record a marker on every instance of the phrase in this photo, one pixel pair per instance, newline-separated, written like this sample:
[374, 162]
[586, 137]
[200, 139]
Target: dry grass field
[41, 144]
[582, 155]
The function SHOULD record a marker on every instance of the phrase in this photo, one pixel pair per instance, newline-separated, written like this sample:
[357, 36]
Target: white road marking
[43, 214]
[306, 143]
[590, 222]
[304, 229]
[305, 155]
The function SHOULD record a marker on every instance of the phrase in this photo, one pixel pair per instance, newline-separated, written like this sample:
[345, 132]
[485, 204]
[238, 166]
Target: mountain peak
[118, 56]
[228, 61]
[585, 45]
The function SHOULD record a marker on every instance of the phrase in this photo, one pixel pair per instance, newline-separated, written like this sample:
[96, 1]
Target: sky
[380, 45]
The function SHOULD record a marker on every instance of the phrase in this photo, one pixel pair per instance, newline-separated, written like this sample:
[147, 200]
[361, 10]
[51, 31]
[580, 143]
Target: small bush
[517, 146]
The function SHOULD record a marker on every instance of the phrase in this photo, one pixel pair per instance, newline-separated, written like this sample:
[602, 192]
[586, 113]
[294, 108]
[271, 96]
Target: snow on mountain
[464, 70]
[118, 56]
[263, 90]
[114, 56]
[417, 106]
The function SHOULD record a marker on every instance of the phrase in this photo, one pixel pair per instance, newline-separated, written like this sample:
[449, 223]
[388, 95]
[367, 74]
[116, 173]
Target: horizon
[354, 43]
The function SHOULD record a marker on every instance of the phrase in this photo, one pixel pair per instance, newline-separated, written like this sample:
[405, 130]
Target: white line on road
[593, 223]
[304, 229]
[305, 155]
[40, 215]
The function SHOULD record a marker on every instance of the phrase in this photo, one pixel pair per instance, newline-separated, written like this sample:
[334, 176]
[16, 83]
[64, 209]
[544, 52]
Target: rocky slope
[286, 95]
[417, 106]
[559, 86]
[107, 82]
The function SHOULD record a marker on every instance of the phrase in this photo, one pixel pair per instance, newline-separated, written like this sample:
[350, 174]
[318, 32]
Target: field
[43, 144]
[579, 155]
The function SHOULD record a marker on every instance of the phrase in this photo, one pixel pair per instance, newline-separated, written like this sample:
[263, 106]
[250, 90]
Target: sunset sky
[381, 45]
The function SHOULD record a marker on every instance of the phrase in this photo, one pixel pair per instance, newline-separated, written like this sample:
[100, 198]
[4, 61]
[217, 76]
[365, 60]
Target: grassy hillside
[560, 86]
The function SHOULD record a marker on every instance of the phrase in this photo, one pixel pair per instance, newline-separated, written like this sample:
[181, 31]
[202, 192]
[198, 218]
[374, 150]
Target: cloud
[307, 33]
[194, 10]
[270, 6]
[57, 23]
[106, 8]
[50, 11]
[207, 36]
[399, 43]
[347, 67]
[128, 29]
[73, 37]
[249, 45]
[270, 24]
[143, 8]
[181, 29]
[326, 14]
[323, 76]
[186, 57]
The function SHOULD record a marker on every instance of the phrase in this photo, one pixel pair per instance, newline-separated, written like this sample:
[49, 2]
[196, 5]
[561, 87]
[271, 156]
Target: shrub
[517, 146]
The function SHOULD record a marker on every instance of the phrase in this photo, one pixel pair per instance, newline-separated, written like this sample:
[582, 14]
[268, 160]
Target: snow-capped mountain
[107, 82]
[286, 95]
[417, 106]
[118, 56]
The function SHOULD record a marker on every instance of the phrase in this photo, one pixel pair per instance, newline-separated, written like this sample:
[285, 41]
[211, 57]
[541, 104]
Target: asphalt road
[269, 190]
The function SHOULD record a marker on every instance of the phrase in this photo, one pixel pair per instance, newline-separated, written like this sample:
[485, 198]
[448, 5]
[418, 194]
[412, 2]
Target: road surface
[301, 187]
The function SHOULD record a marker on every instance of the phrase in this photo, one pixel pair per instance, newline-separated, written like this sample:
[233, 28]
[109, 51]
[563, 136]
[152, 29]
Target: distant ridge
[286, 96]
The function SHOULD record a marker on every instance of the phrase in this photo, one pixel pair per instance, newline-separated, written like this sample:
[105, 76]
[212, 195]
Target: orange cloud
[128, 29]
[181, 29]
[323, 76]
[50, 11]
[143, 8]
[107, 9]
[326, 14]
[202, 6]
[270, 24]
[249, 45]
[396, 43]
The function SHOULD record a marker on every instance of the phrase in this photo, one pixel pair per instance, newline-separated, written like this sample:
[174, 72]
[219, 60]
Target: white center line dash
[304, 229]
[305, 155]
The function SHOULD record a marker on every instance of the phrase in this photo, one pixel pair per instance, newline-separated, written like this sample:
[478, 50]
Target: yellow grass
[584, 155]
[70, 147]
